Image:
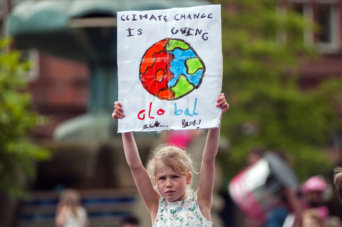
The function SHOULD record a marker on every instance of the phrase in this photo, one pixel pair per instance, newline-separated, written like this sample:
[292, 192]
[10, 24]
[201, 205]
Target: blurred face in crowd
[314, 198]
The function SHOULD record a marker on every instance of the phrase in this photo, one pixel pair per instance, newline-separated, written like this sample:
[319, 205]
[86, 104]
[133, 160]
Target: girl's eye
[175, 176]
[161, 178]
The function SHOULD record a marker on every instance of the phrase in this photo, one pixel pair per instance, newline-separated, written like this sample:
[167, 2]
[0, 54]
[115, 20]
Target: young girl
[173, 203]
[69, 212]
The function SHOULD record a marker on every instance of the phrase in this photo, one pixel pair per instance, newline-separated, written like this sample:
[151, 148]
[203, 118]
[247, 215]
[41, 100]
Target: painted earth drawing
[171, 69]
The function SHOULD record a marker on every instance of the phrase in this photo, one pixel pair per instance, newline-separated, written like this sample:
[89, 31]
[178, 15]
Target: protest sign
[169, 68]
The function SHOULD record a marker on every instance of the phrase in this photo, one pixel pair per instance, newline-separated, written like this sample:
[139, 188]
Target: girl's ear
[188, 178]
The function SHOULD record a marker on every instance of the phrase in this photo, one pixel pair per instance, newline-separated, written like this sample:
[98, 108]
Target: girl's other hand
[222, 103]
[118, 111]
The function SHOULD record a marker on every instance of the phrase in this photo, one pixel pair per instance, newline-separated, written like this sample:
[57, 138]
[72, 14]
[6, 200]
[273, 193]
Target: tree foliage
[263, 45]
[17, 118]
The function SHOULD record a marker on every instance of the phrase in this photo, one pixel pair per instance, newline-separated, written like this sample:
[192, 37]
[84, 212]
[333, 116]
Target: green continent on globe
[193, 64]
[175, 43]
[182, 87]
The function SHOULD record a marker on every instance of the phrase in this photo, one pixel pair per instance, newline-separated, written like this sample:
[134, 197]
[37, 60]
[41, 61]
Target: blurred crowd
[268, 193]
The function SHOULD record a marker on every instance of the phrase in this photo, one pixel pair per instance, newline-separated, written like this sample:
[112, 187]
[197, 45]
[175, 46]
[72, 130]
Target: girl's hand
[118, 111]
[222, 103]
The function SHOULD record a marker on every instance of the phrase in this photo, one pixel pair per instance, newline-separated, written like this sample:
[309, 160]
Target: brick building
[59, 86]
[328, 15]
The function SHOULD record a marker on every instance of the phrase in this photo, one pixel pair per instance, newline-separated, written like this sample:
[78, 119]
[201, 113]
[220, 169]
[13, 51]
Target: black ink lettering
[134, 18]
[156, 124]
[189, 32]
[196, 16]
[174, 31]
[143, 16]
[194, 123]
[165, 18]
[140, 31]
[153, 17]
[198, 31]
[205, 36]
[130, 32]
[183, 30]
[191, 16]
[122, 17]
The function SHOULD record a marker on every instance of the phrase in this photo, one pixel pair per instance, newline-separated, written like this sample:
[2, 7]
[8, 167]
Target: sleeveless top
[72, 221]
[180, 214]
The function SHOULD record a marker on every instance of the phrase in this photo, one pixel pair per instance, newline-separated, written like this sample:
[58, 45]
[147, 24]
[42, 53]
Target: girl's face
[171, 185]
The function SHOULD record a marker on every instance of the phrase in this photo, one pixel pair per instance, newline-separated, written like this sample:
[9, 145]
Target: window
[34, 71]
[307, 12]
[327, 17]
[33, 57]
[325, 14]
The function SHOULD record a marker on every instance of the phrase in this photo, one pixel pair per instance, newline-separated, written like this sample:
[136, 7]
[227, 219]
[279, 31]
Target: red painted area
[148, 59]
[165, 94]
[158, 74]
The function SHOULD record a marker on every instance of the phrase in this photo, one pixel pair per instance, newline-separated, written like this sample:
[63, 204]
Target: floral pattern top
[180, 214]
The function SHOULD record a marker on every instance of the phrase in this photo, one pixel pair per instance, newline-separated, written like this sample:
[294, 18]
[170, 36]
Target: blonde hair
[71, 198]
[175, 158]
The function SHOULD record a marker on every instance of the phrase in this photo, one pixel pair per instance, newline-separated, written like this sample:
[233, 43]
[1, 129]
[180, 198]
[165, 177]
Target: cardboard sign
[169, 68]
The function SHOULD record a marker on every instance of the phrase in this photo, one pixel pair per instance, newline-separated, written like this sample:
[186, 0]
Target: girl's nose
[168, 183]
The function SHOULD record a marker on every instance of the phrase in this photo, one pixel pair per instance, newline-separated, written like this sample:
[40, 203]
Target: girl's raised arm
[207, 171]
[139, 173]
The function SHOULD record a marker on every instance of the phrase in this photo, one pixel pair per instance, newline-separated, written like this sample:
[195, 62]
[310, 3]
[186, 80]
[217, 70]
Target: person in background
[180, 138]
[285, 183]
[254, 156]
[338, 182]
[130, 221]
[313, 190]
[70, 212]
[289, 204]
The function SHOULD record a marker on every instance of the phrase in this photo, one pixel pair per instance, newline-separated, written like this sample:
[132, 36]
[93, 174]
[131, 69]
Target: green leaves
[17, 118]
